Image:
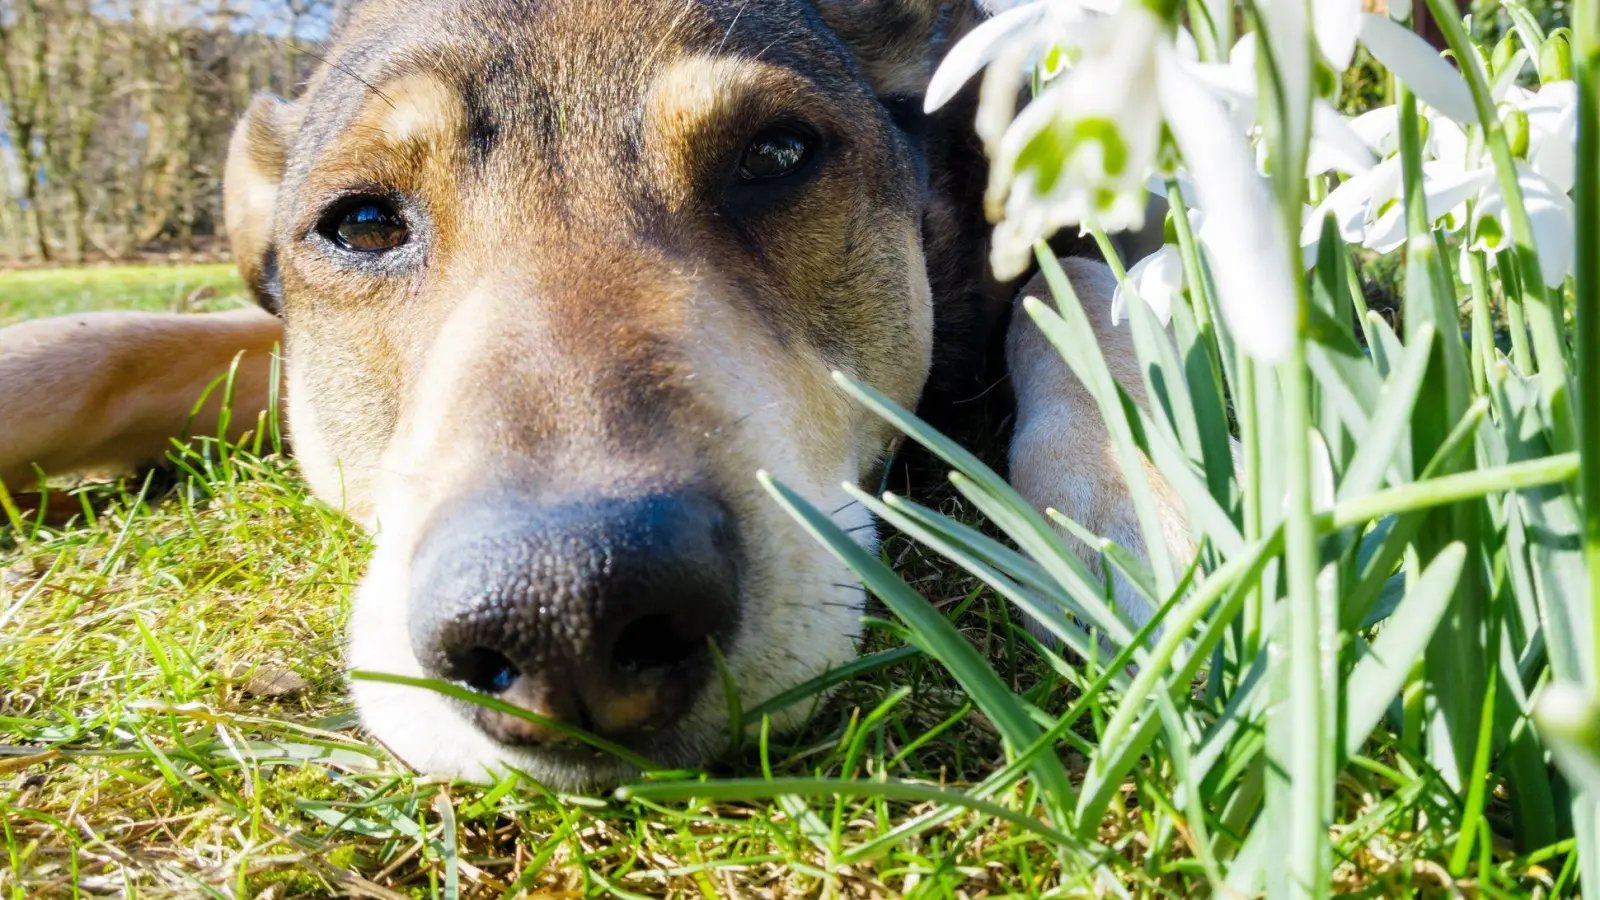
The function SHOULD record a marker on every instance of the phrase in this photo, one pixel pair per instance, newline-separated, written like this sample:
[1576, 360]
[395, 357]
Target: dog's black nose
[596, 613]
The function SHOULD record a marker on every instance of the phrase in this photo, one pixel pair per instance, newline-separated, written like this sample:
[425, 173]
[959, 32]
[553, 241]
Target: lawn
[174, 723]
[32, 293]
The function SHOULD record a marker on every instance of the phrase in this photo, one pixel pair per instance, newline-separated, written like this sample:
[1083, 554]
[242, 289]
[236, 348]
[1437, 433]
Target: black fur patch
[907, 115]
[483, 120]
[268, 287]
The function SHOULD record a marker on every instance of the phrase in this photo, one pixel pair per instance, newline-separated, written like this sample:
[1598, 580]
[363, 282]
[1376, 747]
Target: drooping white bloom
[1157, 280]
[1550, 212]
[1031, 27]
[1368, 211]
[1082, 151]
[1250, 256]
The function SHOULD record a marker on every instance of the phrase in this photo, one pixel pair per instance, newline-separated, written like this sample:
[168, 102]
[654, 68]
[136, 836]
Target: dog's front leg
[1062, 456]
[114, 388]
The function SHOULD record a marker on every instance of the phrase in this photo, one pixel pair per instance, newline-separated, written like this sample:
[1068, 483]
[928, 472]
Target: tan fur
[256, 159]
[1062, 456]
[115, 388]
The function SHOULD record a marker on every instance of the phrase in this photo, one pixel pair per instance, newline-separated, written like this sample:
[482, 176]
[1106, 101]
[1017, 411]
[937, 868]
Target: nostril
[652, 642]
[487, 671]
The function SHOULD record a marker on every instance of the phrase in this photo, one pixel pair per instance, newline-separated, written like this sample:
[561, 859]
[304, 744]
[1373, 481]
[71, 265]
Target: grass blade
[938, 638]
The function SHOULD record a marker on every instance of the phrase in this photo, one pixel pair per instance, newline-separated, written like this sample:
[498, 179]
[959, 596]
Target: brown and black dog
[553, 280]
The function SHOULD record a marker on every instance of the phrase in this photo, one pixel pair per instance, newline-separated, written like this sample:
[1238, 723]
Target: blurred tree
[115, 116]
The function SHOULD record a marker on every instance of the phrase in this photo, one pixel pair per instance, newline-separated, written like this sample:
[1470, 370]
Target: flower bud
[1517, 133]
[1503, 52]
[1555, 59]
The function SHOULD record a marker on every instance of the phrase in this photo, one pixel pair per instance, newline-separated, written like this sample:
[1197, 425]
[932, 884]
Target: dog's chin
[782, 642]
[429, 733]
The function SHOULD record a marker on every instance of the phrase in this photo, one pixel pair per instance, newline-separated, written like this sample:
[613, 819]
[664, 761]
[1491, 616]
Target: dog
[553, 279]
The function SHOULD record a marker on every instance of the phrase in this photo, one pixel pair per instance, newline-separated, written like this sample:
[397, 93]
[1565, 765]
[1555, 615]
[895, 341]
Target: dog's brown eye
[367, 226]
[776, 152]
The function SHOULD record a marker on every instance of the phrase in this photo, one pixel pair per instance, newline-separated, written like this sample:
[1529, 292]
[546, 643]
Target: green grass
[32, 293]
[134, 758]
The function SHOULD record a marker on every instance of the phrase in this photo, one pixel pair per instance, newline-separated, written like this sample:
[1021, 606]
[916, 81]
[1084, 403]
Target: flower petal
[1551, 213]
[1352, 202]
[979, 48]
[1416, 64]
[1388, 232]
[1378, 128]
[1553, 125]
[1336, 23]
[1334, 144]
[1446, 141]
[1156, 279]
[1250, 255]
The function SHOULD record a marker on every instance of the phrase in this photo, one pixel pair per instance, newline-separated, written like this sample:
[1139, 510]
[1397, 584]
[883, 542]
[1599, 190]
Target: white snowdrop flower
[1550, 212]
[1081, 151]
[1369, 211]
[1157, 279]
[1249, 255]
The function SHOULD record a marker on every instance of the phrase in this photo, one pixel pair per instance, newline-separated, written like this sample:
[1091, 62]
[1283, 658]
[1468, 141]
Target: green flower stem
[1196, 277]
[1311, 793]
[1516, 322]
[1482, 324]
[1250, 447]
[1109, 251]
[1542, 315]
[1312, 694]
[1586, 59]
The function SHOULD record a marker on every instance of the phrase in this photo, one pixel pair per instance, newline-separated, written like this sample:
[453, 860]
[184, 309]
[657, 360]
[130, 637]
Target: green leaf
[1378, 676]
[1385, 443]
[938, 638]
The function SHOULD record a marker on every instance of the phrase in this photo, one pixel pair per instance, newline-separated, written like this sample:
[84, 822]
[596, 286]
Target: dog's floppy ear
[899, 42]
[257, 155]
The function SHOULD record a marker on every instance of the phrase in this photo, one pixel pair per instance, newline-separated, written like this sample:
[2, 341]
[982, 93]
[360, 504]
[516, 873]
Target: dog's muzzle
[593, 613]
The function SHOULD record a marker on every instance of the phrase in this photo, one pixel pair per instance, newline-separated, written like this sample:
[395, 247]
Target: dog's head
[559, 277]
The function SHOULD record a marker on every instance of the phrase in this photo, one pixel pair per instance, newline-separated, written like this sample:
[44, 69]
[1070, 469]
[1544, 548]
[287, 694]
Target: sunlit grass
[32, 293]
[135, 758]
